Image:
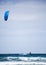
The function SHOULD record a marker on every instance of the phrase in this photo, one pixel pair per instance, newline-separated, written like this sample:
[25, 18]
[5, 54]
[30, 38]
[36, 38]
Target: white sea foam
[22, 63]
[23, 58]
[26, 59]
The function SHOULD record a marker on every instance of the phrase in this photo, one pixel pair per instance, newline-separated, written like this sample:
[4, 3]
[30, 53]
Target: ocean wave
[26, 59]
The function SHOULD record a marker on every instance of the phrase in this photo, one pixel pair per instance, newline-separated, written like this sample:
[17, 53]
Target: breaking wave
[26, 59]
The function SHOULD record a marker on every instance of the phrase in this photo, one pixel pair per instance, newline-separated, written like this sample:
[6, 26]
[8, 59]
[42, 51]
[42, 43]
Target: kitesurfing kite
[6, 14]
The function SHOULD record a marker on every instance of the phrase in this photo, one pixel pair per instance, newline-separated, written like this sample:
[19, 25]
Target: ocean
[22, 59]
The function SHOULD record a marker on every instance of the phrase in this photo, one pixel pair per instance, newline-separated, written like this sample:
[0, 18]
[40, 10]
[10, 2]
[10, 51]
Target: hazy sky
[25, 29]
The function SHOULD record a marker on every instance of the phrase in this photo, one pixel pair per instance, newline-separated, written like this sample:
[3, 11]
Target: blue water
[22, 57]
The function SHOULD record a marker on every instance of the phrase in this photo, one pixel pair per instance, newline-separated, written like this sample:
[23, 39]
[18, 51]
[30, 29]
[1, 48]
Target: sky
[25, 29]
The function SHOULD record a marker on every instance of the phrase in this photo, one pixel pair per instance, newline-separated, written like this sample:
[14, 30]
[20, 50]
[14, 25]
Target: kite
[6, 14]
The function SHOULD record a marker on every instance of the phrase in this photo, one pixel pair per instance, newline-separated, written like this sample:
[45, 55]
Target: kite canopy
[6, 14]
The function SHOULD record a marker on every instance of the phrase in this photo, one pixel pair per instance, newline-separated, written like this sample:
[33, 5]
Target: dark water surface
[22, 57]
